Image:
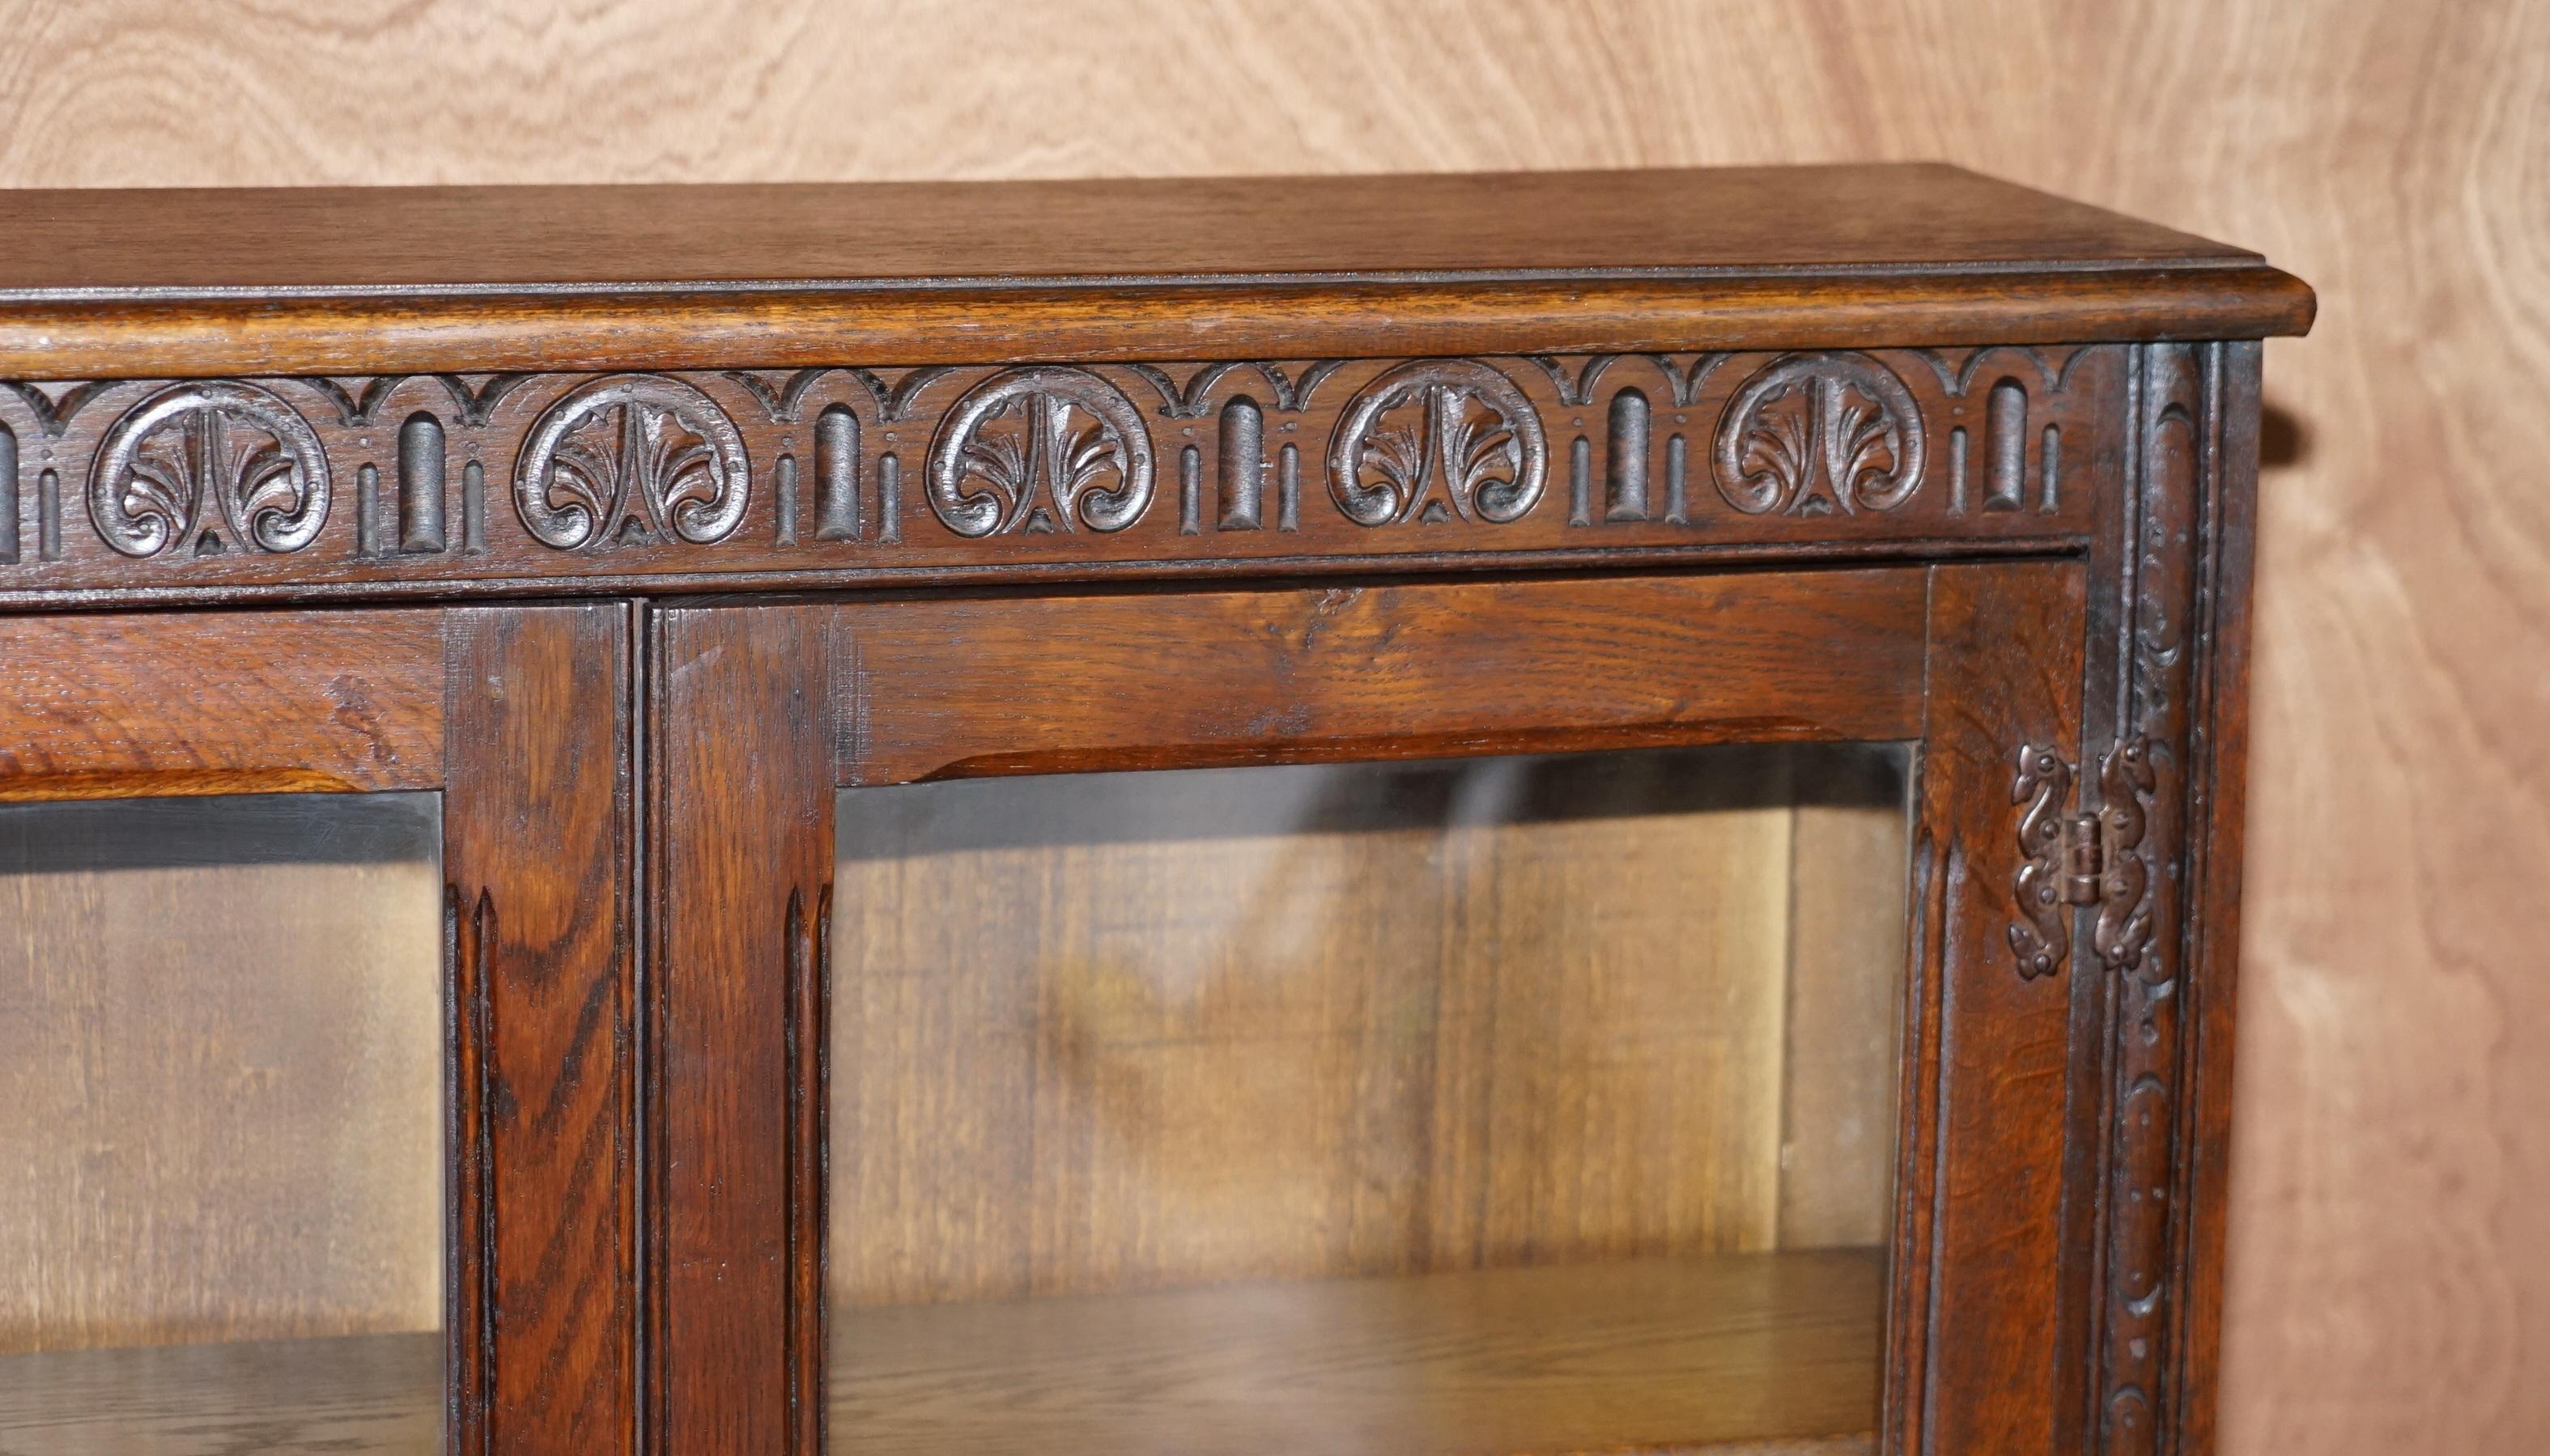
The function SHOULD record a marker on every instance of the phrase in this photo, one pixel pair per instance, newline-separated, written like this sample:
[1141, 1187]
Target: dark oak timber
[247, 704]
[538, 833]
[1381, 672]
[828, 476]
[646, 526]
[1983, 1158]
[520, 715]
[754, 850]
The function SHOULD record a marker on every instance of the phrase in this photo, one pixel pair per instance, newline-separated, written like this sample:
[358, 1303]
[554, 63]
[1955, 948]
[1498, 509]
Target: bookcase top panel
[1850, 217]
[338, 280]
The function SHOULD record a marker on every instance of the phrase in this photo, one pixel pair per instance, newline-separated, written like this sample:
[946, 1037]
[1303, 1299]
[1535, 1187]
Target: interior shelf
[1760, 1354]
[365, 1394]
[1755, 1354]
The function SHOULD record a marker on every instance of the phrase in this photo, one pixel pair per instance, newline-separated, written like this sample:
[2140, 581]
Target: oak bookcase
[1431, 815]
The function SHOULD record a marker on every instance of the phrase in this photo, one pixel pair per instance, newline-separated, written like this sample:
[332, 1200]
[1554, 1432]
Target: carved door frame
[519, 716]
[759, 713]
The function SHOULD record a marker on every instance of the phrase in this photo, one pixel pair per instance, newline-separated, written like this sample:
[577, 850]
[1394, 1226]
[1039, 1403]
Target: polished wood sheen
[894, 692]
[124, 704]
[1982, 1165]
[528, 1168]
[1732, 1355]
[2392, 1181]
[1742, 219]
[828, 476]
[1292, 473]
[1354, 672]
[335, 280]
[540, 821]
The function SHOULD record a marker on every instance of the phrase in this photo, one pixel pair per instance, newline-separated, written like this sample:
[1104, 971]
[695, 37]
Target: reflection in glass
[221, 1110]
[1537, 1102]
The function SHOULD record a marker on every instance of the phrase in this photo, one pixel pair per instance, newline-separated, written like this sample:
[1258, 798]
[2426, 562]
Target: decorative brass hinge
[2069, 859]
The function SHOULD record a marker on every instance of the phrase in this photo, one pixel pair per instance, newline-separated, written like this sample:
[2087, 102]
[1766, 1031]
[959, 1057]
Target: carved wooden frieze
[1042, 450]
[443, 480]
[1437, 439]
[1814, 433]
[633, 458]
[208, 468]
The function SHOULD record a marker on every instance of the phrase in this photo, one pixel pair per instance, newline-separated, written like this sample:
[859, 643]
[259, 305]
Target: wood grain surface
[222, 1102]
[325, 702]
[1751, 219]
[123, 283]
[1736, 1355]
[1109, 1032]
[364, 1395]
[2392, 1176]
[539, 819]
[1376, 672]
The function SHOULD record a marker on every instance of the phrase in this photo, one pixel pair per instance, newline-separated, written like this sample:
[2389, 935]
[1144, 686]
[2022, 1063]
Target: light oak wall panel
[2394, 1173]
[221, 1095]
[1100, 1032]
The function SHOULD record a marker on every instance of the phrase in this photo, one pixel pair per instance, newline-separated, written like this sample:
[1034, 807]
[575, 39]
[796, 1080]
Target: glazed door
[316, 1076]
[1533, 1016]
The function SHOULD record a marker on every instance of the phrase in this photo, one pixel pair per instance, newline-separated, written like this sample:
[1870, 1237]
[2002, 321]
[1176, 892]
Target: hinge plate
[2084, 860]
[2071, 858]
[2042, 937]
[2126, 783]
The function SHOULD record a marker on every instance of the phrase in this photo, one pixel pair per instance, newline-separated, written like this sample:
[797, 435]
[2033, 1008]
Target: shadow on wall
[2282, 439]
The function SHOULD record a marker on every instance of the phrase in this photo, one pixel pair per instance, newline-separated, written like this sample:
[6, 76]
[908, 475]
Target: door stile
[538, 814]
[743, 847]
[1983, 1185]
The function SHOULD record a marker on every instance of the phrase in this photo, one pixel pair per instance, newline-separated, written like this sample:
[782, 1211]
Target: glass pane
[1523, 1104]
[221, 1115]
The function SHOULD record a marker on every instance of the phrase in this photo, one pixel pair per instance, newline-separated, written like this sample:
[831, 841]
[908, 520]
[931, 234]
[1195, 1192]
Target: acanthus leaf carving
[664, 459]
[1031, 435]
[193, 459]
[633, 454]
[1817, 433]
[1457, 424]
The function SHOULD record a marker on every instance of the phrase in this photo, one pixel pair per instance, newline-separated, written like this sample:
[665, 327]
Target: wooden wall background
[1392, 1019]
[2394, 1178]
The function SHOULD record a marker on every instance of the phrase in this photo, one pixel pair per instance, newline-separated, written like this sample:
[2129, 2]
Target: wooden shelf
[368, 1395]
[1758, 1354]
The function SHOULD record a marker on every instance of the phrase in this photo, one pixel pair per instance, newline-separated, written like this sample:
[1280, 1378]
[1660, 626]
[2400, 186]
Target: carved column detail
[2142, 923]
[807, 936]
